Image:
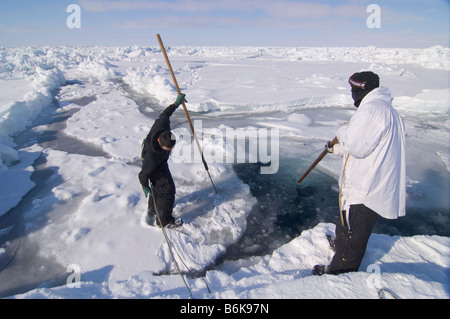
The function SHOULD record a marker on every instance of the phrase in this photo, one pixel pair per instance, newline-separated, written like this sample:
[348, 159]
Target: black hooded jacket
[153, 156]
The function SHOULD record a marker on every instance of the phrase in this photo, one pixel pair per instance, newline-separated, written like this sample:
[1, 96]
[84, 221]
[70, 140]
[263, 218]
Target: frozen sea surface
[70, 150]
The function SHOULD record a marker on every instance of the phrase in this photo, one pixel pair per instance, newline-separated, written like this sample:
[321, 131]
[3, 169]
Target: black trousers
[351, 242]
[163, 194]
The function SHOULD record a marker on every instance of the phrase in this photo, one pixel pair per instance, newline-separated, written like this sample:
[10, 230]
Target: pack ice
[76, 116]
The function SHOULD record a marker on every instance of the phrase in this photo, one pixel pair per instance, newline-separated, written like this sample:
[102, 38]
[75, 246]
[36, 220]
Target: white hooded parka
[373, 149]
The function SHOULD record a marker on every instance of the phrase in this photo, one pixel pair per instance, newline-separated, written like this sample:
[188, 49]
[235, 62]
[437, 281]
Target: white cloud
[277, 14]
[279, 8]
[337, 21]
[173, 6]
[172, 21]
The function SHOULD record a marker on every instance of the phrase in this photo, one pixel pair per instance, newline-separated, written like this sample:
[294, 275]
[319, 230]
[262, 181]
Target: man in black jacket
[155, 153]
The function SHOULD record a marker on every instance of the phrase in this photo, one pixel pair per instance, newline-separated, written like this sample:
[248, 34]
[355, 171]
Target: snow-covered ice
[85, 218]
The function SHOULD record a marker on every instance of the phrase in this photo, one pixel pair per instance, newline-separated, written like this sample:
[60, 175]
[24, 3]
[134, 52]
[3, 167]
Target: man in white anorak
[372, 179]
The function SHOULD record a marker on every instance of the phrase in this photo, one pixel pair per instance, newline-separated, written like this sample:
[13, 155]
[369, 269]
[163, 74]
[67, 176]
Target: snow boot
[174, 223]
[320, 270]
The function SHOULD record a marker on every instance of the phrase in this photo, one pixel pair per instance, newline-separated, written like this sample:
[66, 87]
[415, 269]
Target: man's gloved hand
[147, 191]
[180, 99]
[329, 148]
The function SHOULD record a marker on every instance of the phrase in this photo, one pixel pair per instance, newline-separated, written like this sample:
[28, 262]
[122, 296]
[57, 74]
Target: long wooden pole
[163, 50]
[321, 156]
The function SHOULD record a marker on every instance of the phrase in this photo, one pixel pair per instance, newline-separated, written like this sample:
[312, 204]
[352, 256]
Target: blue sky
[403, 23]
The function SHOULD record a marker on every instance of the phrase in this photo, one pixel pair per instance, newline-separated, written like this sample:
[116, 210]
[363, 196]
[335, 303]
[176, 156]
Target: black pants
[163, 195]
[351, 242]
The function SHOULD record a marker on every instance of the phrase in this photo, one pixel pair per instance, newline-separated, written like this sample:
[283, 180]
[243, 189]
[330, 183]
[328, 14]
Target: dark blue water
[285, 209]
